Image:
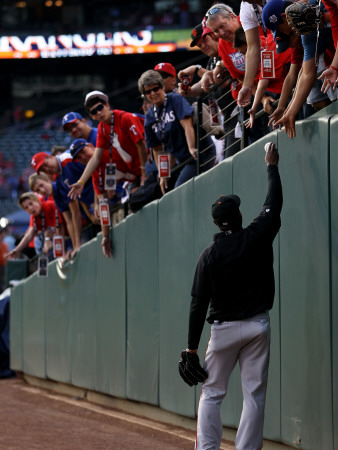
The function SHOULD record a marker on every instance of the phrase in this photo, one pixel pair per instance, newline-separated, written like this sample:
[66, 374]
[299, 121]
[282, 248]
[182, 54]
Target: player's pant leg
[254, 366]
[220, 360]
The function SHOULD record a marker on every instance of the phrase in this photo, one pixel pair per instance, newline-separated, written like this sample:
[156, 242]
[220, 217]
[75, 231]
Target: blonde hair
[27, 196]
[35, 177]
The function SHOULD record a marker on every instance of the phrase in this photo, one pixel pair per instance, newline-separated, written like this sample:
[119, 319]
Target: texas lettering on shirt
[169, 117]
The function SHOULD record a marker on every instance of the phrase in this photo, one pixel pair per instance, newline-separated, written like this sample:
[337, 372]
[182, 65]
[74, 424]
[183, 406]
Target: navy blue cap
[70, 117]
[77, 145]
[271, 14]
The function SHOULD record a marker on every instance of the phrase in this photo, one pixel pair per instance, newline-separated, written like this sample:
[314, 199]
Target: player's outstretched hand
[271, 153]
[190, 369]
[75, 190]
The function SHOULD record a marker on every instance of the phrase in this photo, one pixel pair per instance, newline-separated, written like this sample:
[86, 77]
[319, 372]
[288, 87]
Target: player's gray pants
[246, 341]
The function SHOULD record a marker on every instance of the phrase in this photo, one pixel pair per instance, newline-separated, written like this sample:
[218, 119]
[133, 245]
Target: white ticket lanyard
[318, 2]
[111, 135]
[260, 21]
[161, 120]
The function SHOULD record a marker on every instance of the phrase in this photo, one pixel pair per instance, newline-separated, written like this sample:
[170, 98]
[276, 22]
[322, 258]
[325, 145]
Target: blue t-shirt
[60, 194]
[172, 137]
[309, 40]
[92, 136]
[71, 171]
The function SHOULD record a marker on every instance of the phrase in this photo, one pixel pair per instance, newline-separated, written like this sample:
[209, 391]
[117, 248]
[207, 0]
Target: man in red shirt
[119, 132]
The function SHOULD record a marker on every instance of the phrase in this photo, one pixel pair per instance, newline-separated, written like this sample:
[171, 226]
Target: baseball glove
[190, 369]
[301, 17]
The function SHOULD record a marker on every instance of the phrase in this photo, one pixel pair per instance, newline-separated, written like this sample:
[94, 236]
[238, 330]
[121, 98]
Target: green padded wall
[205, 193]
[305, 288]
[334, 268]
[143, 306]
[176, 261]
[82, 317]
[16, 270]
[250, 182]
[99, 323]
[33, 330]
[16, 324]
[111, 317]
[58, 323]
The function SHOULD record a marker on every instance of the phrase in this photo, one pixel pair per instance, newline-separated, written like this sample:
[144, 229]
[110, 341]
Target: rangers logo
[132, 128]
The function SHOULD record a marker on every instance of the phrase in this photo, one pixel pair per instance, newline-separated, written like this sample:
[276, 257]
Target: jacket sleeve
[200, 293]
[268, 222]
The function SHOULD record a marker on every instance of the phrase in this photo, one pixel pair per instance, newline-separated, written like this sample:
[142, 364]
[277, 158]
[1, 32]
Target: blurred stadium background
[52, 52]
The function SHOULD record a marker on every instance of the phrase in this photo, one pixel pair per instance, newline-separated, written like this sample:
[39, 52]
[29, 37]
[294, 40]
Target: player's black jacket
[235, 273]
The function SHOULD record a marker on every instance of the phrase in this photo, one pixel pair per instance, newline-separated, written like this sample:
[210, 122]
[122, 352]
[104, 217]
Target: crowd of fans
[274, 50]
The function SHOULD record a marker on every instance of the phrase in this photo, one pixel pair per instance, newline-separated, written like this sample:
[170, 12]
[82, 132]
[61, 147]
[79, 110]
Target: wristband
[105, 237]
[47, 239]
[82, 182]
[197, 68]
[219, 63]
[333, 67]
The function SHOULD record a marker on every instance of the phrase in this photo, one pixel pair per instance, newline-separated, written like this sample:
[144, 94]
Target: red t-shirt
[333, 11]
[130, 130]
[234, 61]
[297, 55]
[98, 177]
[50, 212]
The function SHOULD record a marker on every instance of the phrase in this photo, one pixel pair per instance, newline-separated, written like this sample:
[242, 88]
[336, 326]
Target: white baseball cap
[98, 94]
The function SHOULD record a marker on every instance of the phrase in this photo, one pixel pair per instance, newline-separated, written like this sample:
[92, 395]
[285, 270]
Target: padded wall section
[177, 266]
[305, 288]
[205, 193]
[82, 317]
[58, 322]
[15, 330]
[334, 265]
[33, 307]
[111, 317]
[142, 305]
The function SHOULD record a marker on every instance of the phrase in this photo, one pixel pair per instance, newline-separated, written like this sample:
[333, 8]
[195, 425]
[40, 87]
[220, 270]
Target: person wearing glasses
[222, 20]
[119, 132]
[78, 128]
[168, 73]
[169, 129]
[205, 39]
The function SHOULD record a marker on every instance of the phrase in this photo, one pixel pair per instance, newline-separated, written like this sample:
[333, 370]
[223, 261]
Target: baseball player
[235, 275]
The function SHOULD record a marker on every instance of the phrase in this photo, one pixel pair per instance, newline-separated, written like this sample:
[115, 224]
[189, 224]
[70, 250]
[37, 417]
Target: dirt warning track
[34, 418]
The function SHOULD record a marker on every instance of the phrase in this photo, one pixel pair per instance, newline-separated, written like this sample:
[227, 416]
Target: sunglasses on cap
[155, 89]
[216, 10]
[94, 111]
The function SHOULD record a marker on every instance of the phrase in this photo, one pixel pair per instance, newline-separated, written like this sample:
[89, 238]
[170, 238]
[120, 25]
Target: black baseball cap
[196, 33]
[225, 208]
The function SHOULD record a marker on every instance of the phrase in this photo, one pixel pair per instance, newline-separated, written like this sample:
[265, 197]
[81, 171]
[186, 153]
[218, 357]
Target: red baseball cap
[167, 68]
[38, 159]
[206, 30]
